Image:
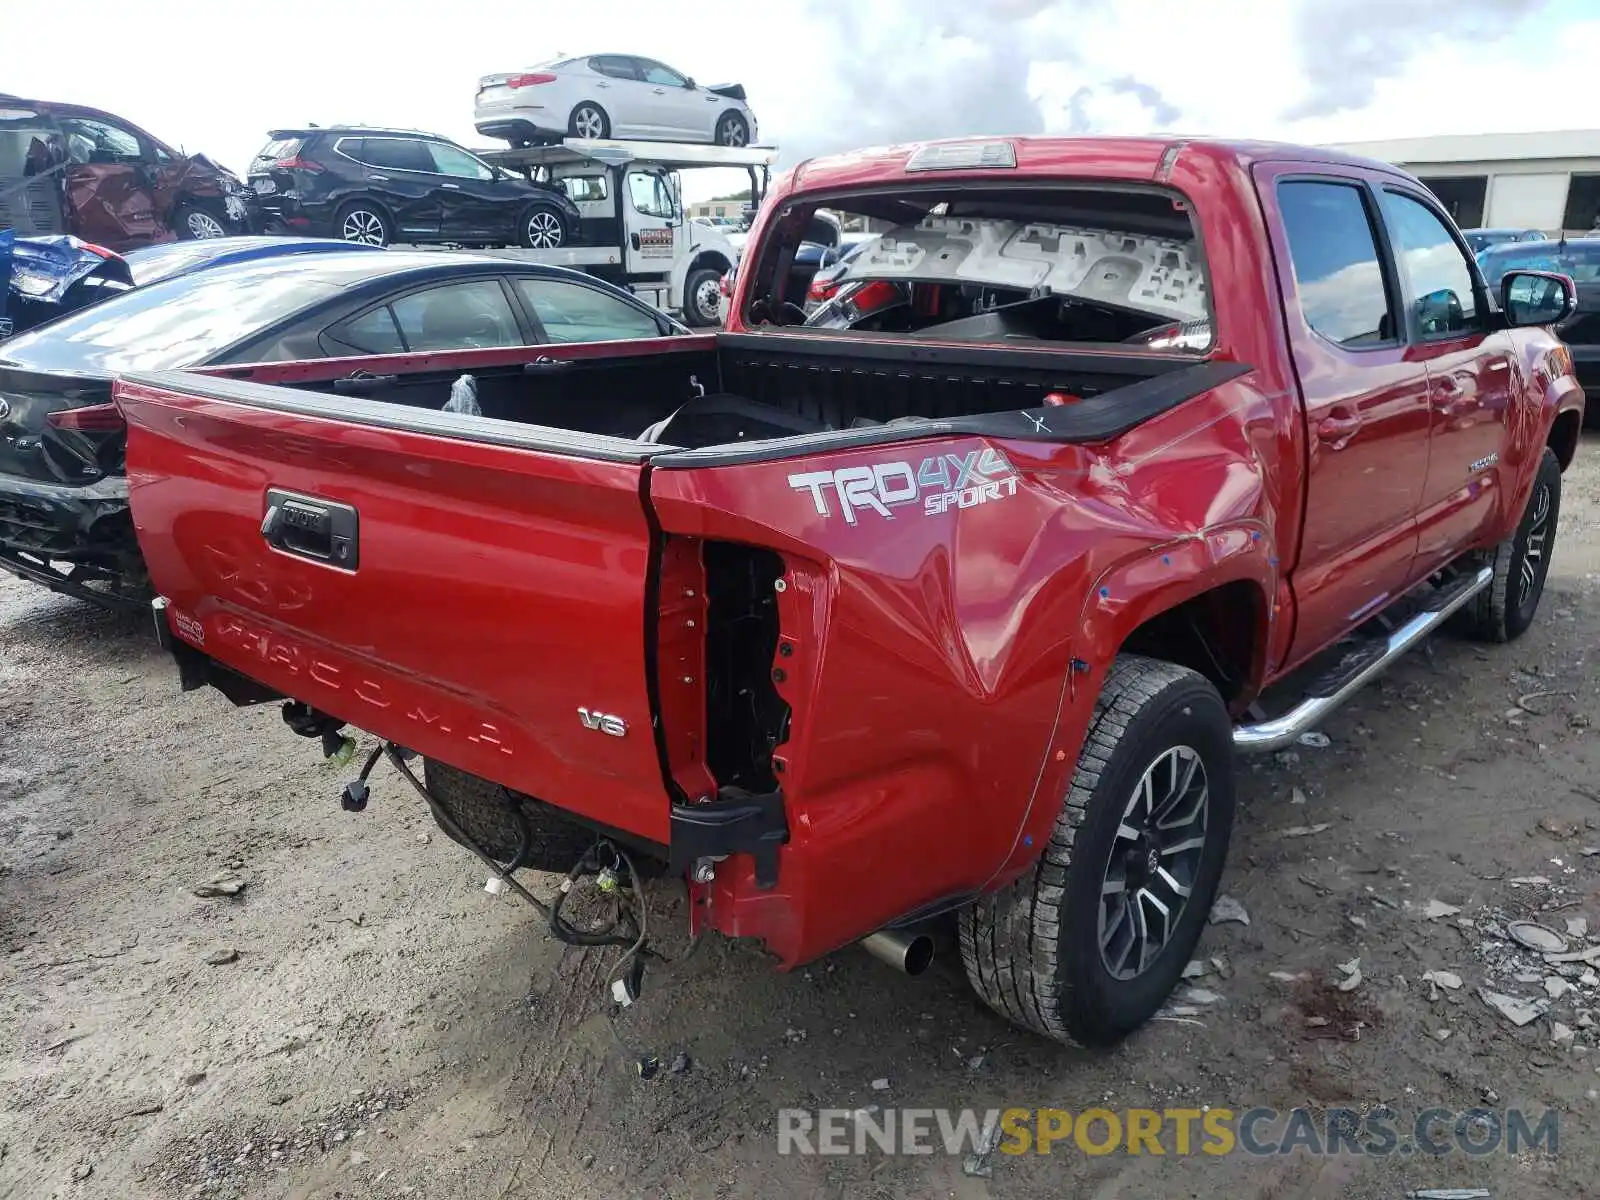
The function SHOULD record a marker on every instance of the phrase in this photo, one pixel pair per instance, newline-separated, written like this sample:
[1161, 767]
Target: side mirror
[689, 84]
[1537, 297]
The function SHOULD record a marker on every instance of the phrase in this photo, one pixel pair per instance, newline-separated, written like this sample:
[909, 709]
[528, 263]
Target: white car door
[676, 106]
[628, 101]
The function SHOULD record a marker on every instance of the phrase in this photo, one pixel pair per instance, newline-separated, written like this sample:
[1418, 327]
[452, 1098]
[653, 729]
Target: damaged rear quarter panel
[930, 681]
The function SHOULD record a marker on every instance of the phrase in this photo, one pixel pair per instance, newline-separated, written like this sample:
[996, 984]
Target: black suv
[378, 186]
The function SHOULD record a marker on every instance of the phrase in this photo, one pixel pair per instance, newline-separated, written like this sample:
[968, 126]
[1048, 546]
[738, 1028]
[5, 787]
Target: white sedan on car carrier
[610, 95]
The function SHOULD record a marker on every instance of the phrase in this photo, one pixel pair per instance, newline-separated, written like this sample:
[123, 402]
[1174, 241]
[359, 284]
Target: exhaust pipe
[908, 952]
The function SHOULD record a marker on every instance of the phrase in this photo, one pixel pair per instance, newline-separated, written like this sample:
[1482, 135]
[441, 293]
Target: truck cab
[629, 195]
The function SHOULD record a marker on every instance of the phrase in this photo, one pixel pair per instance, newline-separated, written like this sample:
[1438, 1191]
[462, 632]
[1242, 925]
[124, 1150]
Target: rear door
[111, 187]
[1366, 400]
[473, 204]
[398, 172]
[462, 586]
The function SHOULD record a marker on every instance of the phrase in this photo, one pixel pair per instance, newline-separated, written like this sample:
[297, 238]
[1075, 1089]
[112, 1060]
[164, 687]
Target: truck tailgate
[445, 592]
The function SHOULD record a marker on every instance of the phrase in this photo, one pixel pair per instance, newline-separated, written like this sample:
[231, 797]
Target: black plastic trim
[1097, 419]
[736, 822]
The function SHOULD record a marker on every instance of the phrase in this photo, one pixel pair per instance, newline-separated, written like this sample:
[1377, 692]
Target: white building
[1548, 181]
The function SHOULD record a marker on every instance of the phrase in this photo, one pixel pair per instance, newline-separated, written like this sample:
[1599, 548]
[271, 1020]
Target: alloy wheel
[544, 231]
[363, 226]
[1154, 862]
[734, 133]
[588, 122]
[204, 225]
[1533, 560]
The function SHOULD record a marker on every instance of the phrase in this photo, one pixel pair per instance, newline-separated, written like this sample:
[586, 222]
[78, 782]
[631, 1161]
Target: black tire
[1033, 949]
[581, 124]
[192, 221]
[490, 815]
[363, 222]
[1503, 611]
[732, 130]
[541, 228]
[694, 299]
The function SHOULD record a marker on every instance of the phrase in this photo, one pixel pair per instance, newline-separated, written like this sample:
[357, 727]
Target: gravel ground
[360, 1019]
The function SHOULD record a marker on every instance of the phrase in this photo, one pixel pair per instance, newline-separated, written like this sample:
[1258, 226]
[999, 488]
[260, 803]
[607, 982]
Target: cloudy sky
[836, 74]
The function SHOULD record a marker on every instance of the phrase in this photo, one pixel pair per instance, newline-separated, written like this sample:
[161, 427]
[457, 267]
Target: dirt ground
[363, 1020]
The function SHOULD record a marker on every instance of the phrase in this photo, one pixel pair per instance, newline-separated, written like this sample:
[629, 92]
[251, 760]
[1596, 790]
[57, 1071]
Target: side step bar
[1328, 695]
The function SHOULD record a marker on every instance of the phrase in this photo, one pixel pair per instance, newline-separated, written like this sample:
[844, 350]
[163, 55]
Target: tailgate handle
[322, 530]
[545, 365]
[363, 382]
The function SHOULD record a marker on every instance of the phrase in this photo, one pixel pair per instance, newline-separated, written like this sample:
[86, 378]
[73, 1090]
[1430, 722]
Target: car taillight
[93, 418]
[296, 163]
[822, 289]
[522, 81]
[875, 295]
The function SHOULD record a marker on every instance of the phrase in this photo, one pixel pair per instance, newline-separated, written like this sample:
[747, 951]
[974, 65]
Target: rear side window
[373, 332]
[1434, 271]
[281, 148]
[394, 154]
[571, 312]
[1337, 270]
[618, 66]
[473, 315]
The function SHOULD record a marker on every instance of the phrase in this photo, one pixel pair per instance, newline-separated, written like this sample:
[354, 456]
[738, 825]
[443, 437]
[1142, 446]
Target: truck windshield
[1089, 265]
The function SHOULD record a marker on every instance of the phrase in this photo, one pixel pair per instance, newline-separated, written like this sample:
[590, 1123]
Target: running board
[1362, 666]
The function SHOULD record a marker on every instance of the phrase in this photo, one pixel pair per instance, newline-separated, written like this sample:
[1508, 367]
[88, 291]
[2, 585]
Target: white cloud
[833, 74]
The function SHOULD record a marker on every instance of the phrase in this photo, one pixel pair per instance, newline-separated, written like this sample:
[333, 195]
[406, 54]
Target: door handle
[634, 240]
[1452, 397]
[379, 178]
[659, 91]
[455, 186]
[545, 365]
[1338, 428]
[324, 531]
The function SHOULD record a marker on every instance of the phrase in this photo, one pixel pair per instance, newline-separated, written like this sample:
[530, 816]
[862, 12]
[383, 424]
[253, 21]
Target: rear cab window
[1098, 264]
[389, 153]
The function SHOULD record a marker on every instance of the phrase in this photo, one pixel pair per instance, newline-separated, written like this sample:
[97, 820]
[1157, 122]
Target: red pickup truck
[958, 594]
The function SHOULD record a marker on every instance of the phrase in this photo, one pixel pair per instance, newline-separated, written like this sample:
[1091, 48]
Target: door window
[654, 72]
[395, 154]
[618, 66]
[582, 189]
[457, 163]
[1337, 271]
[91, 141]
[372, 332]
[458, 316]
[650, 195]
[1437, 279]
[571, 312]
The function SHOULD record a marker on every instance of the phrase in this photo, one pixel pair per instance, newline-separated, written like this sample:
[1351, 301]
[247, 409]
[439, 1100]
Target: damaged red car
[956, 597]
[65, 168]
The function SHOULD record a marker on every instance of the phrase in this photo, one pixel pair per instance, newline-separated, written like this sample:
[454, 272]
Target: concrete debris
[1533, 936]
[1448, 980]
[1438, 908]
[1529, 881]
[1358, 922]
[1558, 829]
[1297, 796]
[1317, 741]
[1221, 965]
[977, 1163]
[1556, 987]
[1352, 975]
[1450, 1194]
[1300, 831]
[1561, 1034]
[880, 1085]
[1196, 969]
[1201, 996]
[220, 885]
[1228, 909]
[680, 1064]
[221, 958]
[1518, 1012]
[1442, 1034]
[1286, 977]
[1577, 927]
[1590, 955]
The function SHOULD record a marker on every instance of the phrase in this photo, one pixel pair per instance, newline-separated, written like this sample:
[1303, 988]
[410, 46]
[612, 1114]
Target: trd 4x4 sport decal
[941, 483]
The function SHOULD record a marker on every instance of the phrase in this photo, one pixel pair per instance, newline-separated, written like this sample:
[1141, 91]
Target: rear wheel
[1088, 944]
[498, 819]
[732, 130]
[702, 297]
[363, 223]
[541, 229]
[589, 120]
[1503, 611]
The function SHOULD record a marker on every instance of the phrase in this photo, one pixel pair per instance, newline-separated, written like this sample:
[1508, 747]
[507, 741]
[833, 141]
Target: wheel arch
[1564, 434]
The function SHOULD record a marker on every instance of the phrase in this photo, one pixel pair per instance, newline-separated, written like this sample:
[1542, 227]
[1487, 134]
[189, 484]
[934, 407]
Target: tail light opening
[531, 80]
[296, 163]
[92, 418]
